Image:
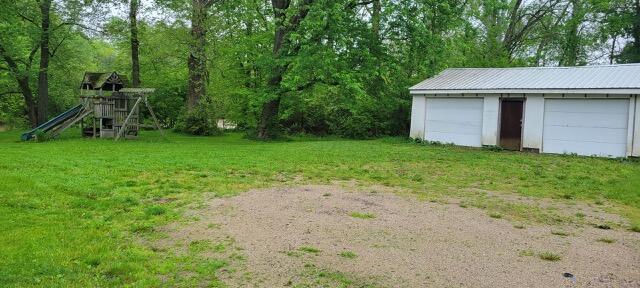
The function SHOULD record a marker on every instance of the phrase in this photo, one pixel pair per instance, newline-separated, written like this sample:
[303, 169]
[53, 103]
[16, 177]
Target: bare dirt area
[313, 236]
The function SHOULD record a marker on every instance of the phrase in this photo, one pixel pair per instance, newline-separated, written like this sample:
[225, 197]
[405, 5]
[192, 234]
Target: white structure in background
[225, 124]
[590, 110]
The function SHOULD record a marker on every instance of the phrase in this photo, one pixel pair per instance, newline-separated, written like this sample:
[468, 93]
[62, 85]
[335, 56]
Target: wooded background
[337, 67]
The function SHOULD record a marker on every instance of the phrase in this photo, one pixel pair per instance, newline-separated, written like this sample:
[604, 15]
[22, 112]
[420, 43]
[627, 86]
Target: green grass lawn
[77, 212]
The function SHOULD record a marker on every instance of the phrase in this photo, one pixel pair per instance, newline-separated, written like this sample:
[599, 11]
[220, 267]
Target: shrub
[167, 103]
[41, 136]
[12, 112]
[201, 121]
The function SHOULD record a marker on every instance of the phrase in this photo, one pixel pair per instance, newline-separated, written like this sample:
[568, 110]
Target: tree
[288, 66]
[19, 45]
[22, 77]
[523, 19]
[197, 61]
[631, 52]
[134, 6]
[43, 72]
[31, 26]
[282, 46]
[571, 47]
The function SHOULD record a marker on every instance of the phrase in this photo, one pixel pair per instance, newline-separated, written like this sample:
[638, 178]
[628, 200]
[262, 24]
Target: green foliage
[201, 121]
[70, 53]
[41, 136]
[12, 112]
[168, 103]
[341, 76]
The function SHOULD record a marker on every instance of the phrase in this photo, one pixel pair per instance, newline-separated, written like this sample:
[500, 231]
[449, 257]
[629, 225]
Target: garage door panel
[603, 120]
[469, 127]
[458, 139]
[586, 126]
[452, 114]
[454, 120]
[610, 106]
[561, 147]
[586, 134]
[455, 103]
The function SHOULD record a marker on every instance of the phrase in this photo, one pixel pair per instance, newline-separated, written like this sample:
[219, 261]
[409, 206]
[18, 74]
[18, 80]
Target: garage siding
[635, 140]
[586, 126]
[417, 117]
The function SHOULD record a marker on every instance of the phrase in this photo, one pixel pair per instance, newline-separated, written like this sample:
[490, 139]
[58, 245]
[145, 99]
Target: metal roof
[582, 78]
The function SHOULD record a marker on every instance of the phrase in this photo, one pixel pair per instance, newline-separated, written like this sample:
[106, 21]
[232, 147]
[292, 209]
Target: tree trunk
[540, 52]
[376, 85]
[43, 72]
[197, 62]
[267, 127]
[571, 45]
[612, 51]
[375, 21]
[268, 122]
[22, 80]
[27, 94]
[135, 44]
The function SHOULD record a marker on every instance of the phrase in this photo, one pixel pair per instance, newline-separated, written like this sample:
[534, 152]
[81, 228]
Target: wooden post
[82, 121]
[153, 115]
[126, 120]
[94, 127]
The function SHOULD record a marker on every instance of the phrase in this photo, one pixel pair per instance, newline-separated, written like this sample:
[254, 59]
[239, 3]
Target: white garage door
[454, 120]
[586, 126]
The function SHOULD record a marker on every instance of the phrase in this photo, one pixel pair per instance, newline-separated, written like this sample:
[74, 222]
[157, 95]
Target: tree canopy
[291, 66]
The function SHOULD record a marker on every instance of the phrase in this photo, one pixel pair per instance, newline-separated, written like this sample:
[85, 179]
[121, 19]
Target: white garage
[590, 110]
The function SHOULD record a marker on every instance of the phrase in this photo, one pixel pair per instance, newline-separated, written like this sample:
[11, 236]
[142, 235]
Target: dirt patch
[390, 241]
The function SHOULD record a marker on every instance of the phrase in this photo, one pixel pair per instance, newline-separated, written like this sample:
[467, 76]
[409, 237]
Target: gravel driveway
[379, 239]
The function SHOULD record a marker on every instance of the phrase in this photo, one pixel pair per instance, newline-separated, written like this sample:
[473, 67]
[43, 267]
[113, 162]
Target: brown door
[511, 124]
